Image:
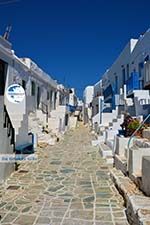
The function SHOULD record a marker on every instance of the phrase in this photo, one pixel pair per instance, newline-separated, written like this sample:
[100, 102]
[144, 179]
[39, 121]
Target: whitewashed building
[126, 84]
[87, 103]
[43, 100]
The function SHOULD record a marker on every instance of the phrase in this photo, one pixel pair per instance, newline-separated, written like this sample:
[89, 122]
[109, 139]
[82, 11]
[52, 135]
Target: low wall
[145, 175]
[120, 145]
[135, 160]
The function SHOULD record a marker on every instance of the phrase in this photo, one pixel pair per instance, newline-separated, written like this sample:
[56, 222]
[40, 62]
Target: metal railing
[139, 127]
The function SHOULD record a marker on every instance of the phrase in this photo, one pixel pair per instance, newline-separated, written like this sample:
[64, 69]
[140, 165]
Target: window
[55, 97]
[51, 99]
[24, 84]
[38, 97]
[32, 88]
[141, 75]
[3, 67]
[97, 109]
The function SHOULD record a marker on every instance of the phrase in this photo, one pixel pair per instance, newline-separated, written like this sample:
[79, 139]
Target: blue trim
[133, 82]
[108, 91]
[71, 108]
[25, 149]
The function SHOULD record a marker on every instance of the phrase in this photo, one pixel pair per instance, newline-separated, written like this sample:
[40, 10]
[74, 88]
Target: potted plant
[132, 126]
[129, 126]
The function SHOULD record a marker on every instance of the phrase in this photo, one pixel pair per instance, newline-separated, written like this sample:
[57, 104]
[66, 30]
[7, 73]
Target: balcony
[132, 83]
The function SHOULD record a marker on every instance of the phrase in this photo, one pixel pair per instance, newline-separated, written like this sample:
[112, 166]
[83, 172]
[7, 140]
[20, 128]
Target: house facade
[87, 103]
[26, 90]
[125, 85]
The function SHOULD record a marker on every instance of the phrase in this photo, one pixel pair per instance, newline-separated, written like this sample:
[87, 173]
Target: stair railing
[10, 129]
[139, 127]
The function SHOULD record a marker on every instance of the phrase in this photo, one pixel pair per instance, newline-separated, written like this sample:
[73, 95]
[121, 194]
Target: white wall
[121, 63]
[140, 52]
[98, 88]
[72, 97]
[134, 53]
[25, 69]
[88, 95]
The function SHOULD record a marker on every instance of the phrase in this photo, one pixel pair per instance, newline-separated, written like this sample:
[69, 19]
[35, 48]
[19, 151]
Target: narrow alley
[69, 184]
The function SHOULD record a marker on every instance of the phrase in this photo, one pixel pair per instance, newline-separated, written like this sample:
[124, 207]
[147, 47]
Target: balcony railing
[133, 83]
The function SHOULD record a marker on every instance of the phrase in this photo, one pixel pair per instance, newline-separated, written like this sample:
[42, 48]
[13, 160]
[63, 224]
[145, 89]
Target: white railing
[144, 101]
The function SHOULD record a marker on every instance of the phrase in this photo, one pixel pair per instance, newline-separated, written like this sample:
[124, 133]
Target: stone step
[120, 163]
[95, 143]
[110, 124]
[145, 175]
[146, 133]
[101, 138]
[110, 143]
[138, 205]
[142, 142]
[106, 153]
[120, 117]
[135, 160]
[114, 120]
[110, 134]
[33, 118]
[119, 121]
[110, 160]
[120, 144]
[115, 126]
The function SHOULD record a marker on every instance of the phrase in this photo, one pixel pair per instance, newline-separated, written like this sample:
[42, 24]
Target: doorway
[3, 69]
[38, 97]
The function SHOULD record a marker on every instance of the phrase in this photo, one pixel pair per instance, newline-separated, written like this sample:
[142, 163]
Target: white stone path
[69, 184]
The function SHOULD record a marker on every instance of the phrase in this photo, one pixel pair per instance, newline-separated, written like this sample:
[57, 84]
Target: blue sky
[74, 40]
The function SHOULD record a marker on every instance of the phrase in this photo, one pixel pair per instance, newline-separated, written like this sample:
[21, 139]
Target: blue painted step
[25, 149]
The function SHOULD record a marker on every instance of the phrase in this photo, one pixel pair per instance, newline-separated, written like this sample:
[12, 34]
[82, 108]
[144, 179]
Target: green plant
[129, 126]
[134, 124]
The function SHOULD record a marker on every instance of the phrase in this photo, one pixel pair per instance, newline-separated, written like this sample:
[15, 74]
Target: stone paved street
[68, 185]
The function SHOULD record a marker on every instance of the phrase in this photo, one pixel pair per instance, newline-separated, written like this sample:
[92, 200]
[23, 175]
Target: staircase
[106, 140]
[141, 104]
[42, 114]
[56, 121]
[115, 124]
[7, 141]
[106, 153]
